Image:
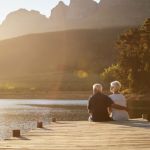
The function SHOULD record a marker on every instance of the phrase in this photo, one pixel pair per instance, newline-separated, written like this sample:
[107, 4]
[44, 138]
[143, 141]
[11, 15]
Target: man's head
[97, 88]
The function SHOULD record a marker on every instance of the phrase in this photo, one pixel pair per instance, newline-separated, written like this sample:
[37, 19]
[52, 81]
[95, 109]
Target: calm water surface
[24, 114]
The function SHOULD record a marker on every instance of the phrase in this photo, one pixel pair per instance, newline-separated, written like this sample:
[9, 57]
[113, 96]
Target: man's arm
[109, 110]
[119, 107]
[89, 106]
[89, 110]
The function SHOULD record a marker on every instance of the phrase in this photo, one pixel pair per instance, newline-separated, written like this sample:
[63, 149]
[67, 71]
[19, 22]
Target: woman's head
[115, 86]
[97, 88]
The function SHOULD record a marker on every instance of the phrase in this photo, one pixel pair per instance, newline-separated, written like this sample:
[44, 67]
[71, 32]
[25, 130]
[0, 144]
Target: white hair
[115, 86]
[97, 88]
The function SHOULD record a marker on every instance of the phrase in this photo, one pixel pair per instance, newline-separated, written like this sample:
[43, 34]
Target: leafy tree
[111, 73]
[134, 56]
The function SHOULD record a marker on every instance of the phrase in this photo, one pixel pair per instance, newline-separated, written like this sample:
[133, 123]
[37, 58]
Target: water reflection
[24, 114]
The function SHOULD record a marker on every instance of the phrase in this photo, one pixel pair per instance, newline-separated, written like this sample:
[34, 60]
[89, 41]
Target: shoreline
[55, 95]
[64, 95]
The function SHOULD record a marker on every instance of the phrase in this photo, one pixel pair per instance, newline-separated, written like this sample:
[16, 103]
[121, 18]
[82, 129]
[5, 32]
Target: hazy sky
[44, 6]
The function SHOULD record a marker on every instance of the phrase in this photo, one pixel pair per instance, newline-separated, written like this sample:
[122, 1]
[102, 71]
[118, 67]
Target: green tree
[134, 56]
[111, 73]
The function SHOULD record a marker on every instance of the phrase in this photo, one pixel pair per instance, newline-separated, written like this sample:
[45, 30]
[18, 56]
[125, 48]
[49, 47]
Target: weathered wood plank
[82, 135]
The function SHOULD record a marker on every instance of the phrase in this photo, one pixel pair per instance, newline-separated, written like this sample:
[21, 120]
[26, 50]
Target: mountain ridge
[78, 15]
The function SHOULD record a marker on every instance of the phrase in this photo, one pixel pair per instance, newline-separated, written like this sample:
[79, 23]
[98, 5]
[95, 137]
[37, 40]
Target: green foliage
[111, 73]
[134, 56]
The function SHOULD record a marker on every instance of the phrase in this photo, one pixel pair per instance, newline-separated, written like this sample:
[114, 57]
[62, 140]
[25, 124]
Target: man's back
[98, 104]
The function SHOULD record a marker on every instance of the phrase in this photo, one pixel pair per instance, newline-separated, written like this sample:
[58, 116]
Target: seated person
[119, 99]
[99, 103]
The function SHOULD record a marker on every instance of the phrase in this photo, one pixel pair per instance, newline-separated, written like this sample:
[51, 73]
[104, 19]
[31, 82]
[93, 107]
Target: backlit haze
[43, 6]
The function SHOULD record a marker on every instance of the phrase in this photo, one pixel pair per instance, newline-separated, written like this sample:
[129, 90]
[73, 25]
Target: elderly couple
[107, 108]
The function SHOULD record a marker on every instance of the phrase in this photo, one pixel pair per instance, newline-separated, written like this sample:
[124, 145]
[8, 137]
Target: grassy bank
[48, 94]
[45, 95]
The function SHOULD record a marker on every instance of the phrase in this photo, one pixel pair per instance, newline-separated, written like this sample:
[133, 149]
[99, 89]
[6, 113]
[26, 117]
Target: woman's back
[119, 114]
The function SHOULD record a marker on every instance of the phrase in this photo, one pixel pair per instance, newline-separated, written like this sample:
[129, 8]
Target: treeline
[74, 60]
[133, 62]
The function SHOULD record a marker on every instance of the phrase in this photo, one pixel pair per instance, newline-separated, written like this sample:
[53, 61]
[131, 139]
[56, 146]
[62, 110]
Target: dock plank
[82, 135]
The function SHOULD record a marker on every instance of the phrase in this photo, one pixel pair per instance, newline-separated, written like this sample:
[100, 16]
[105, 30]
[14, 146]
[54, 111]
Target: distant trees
[134, 58]
[111, 73]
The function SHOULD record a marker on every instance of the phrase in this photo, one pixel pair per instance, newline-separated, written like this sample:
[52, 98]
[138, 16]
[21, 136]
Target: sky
[44, 6]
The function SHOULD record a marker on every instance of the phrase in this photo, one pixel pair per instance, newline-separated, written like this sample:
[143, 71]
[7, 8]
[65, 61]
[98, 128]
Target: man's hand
[109, 110]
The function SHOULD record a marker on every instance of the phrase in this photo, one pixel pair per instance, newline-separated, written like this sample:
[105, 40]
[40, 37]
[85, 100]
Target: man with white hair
[99, 103]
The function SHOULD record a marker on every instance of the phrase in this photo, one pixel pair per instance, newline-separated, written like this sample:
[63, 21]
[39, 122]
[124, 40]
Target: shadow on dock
[132, 123]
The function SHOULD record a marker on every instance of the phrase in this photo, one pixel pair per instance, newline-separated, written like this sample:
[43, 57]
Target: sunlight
[8, 86]
[82, 74]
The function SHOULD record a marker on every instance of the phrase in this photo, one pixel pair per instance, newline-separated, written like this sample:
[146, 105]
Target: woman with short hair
[119, 99]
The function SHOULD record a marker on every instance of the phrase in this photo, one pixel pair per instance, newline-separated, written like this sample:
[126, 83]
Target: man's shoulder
[91, 97]
[105, 96]
[99, 95]
[108, 98]
[94, 96]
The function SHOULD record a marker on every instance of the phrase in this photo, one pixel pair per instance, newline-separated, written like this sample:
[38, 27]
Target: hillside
[36, 51]
[25, 57]
[74, 49]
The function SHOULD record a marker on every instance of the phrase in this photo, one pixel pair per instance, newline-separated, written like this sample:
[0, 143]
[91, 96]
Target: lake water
[24, 114]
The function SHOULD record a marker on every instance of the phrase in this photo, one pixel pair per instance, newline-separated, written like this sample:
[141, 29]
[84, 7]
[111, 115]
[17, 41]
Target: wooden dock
[82, 135]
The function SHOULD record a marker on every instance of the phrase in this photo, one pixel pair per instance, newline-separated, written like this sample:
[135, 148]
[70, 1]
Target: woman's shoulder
[121, 95]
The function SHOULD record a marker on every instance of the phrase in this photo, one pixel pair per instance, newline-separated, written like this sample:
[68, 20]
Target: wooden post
[146, 116]
[16, 133]
[53, 119]
[39, 124]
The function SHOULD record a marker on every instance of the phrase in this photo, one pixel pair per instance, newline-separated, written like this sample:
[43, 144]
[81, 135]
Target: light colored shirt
[116, 113]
